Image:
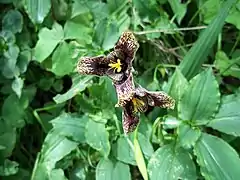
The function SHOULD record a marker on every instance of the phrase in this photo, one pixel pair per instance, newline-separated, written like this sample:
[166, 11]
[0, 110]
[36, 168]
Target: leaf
[125, 149]
[108, 170]
[17, 86]
[37, 10]
[97, 137]
[139, 157]
[201, 99]
[168, 163]
[176, 85]
[109, 37]
[9, 68]
[62, 62]
[187, 136]
[48, 40]
[57, 174]
[217, 159]
[77, 30]
[178, 8]
[54, 148]
[8, 168]
[78, 85]
[170, 122]
[12, 21]
[71, 126]
[227, 119]
[226, 66]
[191, 63]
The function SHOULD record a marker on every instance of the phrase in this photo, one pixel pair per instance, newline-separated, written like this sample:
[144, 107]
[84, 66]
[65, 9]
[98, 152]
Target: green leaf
[176, 85]
[201, 99]
[139, 157]
[70, 126]
[54, 148]
[77, 30]
[37, 10]
[107, 38]
[226, 66]
[168, 163]
[191, 63]
[217, 159]
[178, 8]
[9, 68]
[57, 174]
[187, 136]
[8, 168]
[227, 119]
[108, 170]
[62, 62]
[48, 40]
[125, 148]
[79, 84]
[170, 122]
[17, 86]
[97, 137]
[12, 21]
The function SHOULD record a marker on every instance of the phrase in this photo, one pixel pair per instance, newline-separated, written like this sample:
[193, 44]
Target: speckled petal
[93, 65]
[129, 119]
[160, 99]
[125, 91]
[128, 45]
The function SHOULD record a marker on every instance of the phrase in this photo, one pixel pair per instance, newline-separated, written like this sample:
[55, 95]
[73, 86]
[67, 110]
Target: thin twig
[170, 30]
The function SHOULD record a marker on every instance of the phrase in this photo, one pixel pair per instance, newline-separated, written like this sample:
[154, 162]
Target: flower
[117, 64]
[139, 102]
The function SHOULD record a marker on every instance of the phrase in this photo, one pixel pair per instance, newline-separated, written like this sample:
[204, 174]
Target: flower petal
[128, 45]
[125, 91]
[93, 65]
[130, 120]
[160, 99]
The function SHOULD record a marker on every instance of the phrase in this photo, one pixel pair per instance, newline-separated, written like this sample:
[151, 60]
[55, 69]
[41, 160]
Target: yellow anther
[138, 105]
[116, 66]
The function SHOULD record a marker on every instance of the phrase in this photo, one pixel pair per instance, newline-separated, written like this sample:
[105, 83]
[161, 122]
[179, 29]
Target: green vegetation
[57, 124]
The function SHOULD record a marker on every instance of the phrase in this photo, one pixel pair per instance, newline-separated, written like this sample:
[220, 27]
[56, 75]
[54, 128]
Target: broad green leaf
[170, 122]
[9, 69]
[168, 163]
[79, 84]
[187, 136]
[178, 8]
[62, 61]
[54, 148]
[12, 21]
[97, 137]
[71, 126]
[226, 66]
[57, 174]
[201, 99]
[48, 40]
[227, 119]
[79, 7]
[8, 37]
[125, 148]
[17, 86]
[107, 38]
[8, 168]
[176, 86]
[37, 10]
[139, 157]
[217, 159]
[108, 170]
[191, 63]
[77, 30]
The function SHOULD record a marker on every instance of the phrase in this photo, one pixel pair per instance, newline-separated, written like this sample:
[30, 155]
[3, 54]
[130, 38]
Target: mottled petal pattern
[125, 91]
[93, 65]
[160, 99]
[128, 45]
[130, 120]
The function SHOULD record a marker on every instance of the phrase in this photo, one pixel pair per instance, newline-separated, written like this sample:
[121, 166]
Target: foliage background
[57, 124]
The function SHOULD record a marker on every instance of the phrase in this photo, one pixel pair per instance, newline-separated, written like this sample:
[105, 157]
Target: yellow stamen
[138, 105]
[116, 66]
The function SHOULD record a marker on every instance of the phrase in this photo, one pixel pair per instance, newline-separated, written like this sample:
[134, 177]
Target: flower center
[116, 66]
[138, 105]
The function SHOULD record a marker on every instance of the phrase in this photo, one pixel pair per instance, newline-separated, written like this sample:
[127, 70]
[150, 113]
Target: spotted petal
[93, 65]
[130, 119]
